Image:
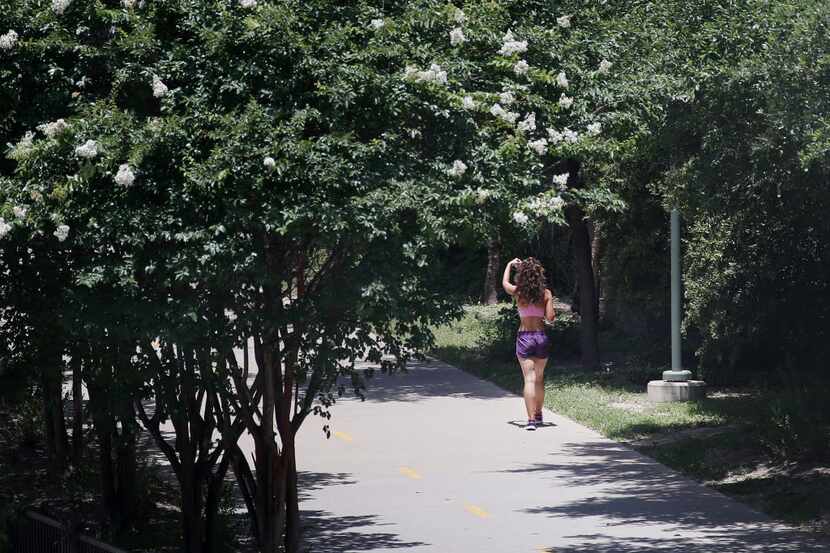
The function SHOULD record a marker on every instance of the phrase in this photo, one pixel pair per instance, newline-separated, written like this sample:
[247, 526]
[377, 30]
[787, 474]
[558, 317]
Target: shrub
[796, 422]
[24, 425]
[500, 323]
[6, 514]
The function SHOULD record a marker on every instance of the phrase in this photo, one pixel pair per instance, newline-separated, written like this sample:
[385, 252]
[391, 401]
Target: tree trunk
[270, 501]
[108, 485]
[292, 502]
[191, 509]
[588, 308]
[491, 279]
[216, 484]
[77, 410]
[55, 424]
[126, 467]
[596, 261]
[247, 485]
[270, 496]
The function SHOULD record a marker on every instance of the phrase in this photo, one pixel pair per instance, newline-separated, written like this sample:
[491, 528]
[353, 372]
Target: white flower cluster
[567, 135]
[539, 146]
[22, 148]
[512, 46]
[129, 4]
[520, 218]
[561, 180]
[432, 75]
[482, 195]
[459, 16]
[125, 176]
[376, 24]
[5, 228]
[594, 129]
[457, 37]
[458, 168]
[247, 3]
[54, 128]
[159, 88]
[545, 204]
[59, 6]
[154, 124]
[269, 163]
[562, 80]
[506, 98]
[564, 21]
[565, 102]
[62, 232]
[521, 67]
[605, 66]
[500, 112]
[528, 123]
[570, 136]
[20, 211]
[88, 150]
[468, 103]
[8, 40]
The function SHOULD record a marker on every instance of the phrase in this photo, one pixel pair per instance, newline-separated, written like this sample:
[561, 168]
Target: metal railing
[35, 533]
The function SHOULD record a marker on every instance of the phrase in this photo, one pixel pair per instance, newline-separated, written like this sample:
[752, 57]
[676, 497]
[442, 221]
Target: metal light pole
[676, 374]
[676, 384]
[676, 362]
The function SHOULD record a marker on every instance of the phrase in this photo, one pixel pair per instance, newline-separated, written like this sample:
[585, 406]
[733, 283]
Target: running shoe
[531, 425]
[540, 421]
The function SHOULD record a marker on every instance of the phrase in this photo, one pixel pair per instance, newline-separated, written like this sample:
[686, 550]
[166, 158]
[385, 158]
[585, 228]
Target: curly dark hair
[530, 281]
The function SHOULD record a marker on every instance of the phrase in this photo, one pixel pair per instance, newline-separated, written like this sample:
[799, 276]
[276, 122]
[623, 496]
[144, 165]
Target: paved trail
[435, 460]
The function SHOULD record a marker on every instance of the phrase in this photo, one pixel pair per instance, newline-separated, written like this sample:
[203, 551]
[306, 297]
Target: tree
[208, 200]
[738, 143]
[538, 139]
[749, 174]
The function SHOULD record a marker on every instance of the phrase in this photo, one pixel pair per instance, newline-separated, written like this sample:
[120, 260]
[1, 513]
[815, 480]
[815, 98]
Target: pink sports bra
[531, 311]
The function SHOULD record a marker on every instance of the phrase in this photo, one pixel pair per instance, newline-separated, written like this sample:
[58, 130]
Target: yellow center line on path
[477, 511]
[343, 436]
[410, 473]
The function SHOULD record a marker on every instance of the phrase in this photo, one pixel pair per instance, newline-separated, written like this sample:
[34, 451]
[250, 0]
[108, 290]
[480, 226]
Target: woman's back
[531, 310]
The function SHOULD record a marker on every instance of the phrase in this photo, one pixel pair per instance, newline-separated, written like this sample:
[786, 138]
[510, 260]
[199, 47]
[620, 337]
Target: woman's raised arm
[505, 279]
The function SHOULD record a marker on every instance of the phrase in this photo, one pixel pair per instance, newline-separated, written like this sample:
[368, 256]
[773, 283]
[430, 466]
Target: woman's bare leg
[539, 392]
[529, 374]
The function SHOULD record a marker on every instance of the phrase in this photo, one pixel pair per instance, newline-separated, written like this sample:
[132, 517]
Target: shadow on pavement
[726, 539]
[428, 379]
[523, 423]
[324, 532]
[309, 482]
[637, 490]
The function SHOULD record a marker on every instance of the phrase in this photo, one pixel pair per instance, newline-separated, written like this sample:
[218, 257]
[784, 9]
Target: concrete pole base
[677, 375]
[660, 391]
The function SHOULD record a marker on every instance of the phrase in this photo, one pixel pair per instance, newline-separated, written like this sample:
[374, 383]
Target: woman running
[535, 304]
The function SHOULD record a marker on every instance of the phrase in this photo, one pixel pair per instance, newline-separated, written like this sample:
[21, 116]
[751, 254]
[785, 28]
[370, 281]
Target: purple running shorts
[532, 343]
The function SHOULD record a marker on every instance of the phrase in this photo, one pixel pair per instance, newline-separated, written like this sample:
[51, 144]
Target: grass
[715, 440]
[610, 400]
